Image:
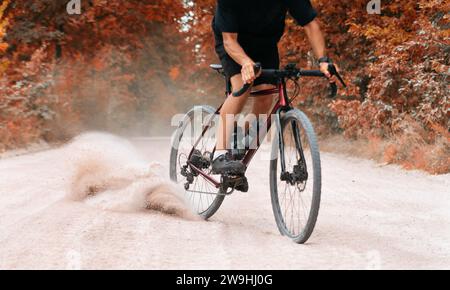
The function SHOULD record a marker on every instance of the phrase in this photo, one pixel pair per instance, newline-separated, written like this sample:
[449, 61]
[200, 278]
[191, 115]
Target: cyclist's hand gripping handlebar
[246, 87]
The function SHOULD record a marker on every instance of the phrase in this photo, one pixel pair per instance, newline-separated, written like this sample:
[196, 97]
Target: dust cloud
[109, 173]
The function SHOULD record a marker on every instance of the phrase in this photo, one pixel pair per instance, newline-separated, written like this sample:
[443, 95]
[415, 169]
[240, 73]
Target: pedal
[242, 185]
[239, 183]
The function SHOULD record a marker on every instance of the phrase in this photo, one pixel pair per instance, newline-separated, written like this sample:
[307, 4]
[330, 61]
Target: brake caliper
[299, 175]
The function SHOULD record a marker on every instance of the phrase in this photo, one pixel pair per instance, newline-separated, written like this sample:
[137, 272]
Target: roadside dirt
[103, 203]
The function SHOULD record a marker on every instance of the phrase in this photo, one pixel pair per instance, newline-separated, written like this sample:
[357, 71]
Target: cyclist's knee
[264, 100]
[236, 84]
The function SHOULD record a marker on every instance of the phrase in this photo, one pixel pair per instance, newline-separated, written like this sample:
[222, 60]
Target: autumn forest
[127, 66]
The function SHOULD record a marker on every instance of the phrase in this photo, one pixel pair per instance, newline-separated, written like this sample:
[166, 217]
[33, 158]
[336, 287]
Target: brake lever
[332, 69]
[246, 87]
[333, 87]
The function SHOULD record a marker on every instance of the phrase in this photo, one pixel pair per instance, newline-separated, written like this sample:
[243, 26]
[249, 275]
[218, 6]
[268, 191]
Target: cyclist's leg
[262, 104]
[231, 107]
[269, 59]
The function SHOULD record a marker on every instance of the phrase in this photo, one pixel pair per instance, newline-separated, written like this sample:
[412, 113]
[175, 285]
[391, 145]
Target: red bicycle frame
[282, 104]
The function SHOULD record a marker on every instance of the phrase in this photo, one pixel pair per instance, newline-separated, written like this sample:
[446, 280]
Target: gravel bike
[295, 167]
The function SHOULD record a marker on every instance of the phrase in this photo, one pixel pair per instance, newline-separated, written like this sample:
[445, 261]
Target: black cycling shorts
[267, 55]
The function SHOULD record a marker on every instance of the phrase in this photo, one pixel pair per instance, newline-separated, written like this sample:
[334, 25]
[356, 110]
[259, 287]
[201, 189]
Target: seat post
[219, 68]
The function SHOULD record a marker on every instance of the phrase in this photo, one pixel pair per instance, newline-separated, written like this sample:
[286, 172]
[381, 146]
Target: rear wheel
[296, 192]
[203, 196]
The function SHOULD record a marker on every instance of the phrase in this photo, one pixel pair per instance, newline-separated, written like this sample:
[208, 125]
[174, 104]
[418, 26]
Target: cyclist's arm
[237, 53]
[317, 40]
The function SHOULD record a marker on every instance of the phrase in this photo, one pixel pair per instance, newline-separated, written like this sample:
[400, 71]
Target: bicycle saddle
[216, 67]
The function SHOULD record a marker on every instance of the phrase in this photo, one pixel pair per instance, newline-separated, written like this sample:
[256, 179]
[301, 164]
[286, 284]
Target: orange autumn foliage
[119, 62]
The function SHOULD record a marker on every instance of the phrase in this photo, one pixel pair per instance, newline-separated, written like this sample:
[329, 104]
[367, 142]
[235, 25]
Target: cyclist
[247, 31]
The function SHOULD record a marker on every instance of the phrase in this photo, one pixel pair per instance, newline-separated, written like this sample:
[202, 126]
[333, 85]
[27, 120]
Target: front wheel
[295, 177]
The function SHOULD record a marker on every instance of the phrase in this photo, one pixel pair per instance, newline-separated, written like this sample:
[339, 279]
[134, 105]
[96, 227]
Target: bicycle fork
[300, 173]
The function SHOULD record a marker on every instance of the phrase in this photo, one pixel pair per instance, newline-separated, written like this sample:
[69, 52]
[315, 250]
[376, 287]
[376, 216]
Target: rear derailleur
[198, 160]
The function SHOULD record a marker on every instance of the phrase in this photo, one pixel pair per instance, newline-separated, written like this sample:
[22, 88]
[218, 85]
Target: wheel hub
[299, 175]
